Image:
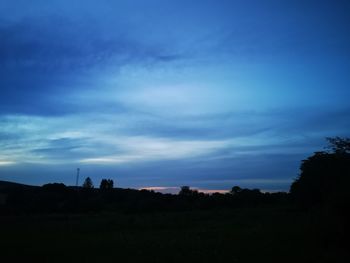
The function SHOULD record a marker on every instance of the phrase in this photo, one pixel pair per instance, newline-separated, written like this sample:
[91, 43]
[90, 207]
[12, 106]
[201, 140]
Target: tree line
[323, 183]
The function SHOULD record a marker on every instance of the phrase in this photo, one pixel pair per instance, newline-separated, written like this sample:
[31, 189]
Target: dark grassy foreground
[260, 234]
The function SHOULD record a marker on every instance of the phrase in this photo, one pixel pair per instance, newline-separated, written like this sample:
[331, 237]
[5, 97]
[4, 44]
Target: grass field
[240, 235]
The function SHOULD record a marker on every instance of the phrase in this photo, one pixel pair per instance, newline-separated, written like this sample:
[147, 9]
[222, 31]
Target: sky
[160, 94]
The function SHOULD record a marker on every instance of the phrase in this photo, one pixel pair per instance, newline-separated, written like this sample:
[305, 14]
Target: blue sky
[209, 94]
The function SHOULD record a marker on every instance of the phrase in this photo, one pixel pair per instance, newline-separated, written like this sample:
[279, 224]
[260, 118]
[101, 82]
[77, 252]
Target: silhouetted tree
[106, 184]
[235, 190]
[88, 183]
[325, 177]
[339, 145]
[186, 191]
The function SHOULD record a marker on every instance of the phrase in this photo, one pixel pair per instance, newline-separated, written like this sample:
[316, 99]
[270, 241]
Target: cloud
[3, 163]
[59, 44]
[141, 149]
[46, 62]
[61, 149]
[132, 137]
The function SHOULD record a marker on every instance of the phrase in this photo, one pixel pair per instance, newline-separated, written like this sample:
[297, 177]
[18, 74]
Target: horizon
[161, 94]
[158, 189]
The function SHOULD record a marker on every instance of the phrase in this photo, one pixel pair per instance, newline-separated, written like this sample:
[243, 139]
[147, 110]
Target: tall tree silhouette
[106, 184]
[88, 183]
[339, 145]
[325, 177]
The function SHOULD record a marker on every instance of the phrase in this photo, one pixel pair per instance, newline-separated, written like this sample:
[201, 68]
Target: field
[262, 234]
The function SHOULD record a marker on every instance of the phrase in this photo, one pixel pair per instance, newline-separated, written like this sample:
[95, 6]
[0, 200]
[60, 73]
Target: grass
[262, 234]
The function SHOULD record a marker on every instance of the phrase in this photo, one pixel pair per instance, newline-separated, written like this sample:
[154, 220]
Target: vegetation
[106, 184]
[88, 183]
[309, 224]
[325, 178]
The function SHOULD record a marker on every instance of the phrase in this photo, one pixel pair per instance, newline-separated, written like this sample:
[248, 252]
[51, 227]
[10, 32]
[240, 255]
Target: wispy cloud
[46, 62]
[3, 163]
[155, 149]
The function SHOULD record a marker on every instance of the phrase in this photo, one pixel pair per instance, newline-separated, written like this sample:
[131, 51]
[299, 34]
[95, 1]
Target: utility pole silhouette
[77, 179]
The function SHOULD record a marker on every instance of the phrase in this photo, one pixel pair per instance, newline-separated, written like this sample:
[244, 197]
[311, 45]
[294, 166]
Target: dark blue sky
[209, 94]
